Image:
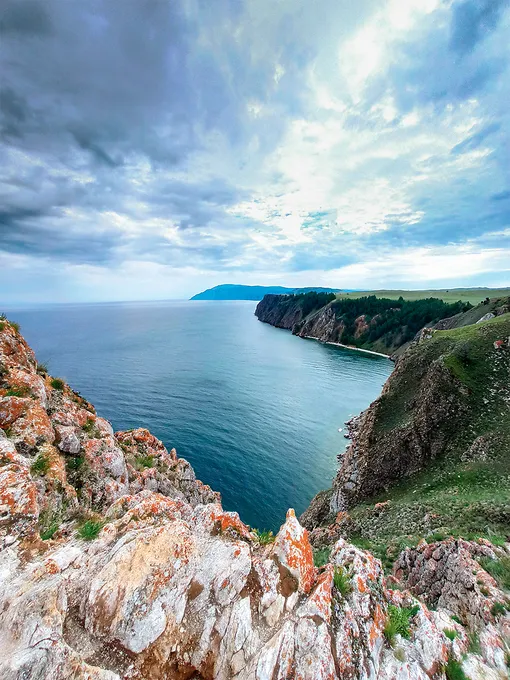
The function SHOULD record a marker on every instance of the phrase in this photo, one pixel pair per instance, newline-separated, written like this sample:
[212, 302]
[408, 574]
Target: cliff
[117, 563]
[377, 324]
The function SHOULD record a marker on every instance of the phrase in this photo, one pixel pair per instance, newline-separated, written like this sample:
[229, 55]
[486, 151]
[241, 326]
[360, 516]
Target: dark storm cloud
[134, 129]
[97, 88]
[24, 17]
[33, 232]
[86, 141]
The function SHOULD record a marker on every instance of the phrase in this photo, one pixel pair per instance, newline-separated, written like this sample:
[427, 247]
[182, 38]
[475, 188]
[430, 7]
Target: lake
[255, 409]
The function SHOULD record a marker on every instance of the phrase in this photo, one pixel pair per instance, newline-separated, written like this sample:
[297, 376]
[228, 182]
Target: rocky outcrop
[448, 574]
[442, 382]
[282, 311]
[387, 446]
[117, 564]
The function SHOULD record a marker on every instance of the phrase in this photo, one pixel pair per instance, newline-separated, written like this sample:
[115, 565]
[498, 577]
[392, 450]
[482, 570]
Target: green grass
[90, 529]
[144, 461]
[90, 428]
[342, 581]
[22, 391]
[57, 383]
[454, 671]
[2, 325]
[474, 646]
[264, 536]
[321, 557]
[48, 533]
[453, 495]
[499, 609]
[40, 466]
[15, 326]
[472, 295]
[398, 622]
[42, 368]
[451, 634]
[499, 569]
[74, 463]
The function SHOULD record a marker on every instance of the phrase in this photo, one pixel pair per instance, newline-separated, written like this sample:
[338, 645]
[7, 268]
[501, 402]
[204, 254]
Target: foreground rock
[116, 563]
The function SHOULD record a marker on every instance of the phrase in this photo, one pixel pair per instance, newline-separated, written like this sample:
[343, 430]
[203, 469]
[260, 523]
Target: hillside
[234, 292]
[118, 564]
[431, 456]
[371, 323]
[472, 295]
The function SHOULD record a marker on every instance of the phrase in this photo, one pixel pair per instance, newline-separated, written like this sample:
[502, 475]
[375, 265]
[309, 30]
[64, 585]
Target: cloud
[24, 17]
[249, 139]
[472, 21]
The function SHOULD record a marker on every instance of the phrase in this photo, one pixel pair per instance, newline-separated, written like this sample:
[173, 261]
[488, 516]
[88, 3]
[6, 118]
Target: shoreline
[357, 349]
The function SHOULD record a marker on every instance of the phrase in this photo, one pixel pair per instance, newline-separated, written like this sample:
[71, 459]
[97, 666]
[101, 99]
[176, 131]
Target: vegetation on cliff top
[465, 491]
[368, 322]
[472, 295]
[389, 323]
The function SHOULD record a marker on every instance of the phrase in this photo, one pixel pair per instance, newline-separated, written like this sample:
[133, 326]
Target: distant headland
[229, 291]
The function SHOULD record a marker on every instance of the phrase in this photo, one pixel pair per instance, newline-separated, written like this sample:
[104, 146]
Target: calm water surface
[255, 409]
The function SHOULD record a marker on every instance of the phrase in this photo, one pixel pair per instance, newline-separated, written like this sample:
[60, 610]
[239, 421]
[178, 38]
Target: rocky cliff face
[117, 563]
[448, 396]
[281, 311]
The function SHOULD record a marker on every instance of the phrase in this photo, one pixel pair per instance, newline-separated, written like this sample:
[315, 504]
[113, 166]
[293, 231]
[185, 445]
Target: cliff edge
[378, 324]
[117, 563]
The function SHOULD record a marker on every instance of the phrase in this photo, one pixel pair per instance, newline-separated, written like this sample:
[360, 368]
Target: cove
[254, 409]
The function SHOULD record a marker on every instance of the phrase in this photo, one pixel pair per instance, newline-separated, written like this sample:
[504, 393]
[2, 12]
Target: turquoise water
[255, 409]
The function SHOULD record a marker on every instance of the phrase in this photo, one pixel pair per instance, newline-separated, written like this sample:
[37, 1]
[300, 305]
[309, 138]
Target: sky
[150, 149]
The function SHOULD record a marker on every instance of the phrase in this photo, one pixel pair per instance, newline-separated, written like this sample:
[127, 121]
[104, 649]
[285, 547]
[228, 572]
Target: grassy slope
[472, 295]
[453, 496]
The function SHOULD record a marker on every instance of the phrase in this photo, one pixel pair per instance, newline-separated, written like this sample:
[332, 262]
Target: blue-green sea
[255, 409]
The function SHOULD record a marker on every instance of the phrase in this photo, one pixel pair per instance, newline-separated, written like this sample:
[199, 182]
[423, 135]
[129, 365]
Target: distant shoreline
[357, 349]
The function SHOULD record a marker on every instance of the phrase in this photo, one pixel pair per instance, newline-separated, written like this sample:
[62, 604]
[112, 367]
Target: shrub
[498, 609]
[499, 569]
[2, 325]
[48, 533]
[144, 461]
[91, 429]
[74, 462]
[90, 530]
[342, 581]
[474, 643]
[57, 383]
[321, 556]
[40, 466]
[454, 671]
[450, 633]
[15, 326]
[398, 622]
[42, 368]
[264, 536]
[456, 619]
[22, 391]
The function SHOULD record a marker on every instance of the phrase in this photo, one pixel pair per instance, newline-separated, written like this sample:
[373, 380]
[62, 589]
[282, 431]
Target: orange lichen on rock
[26, 420]
[19, 510]
[293, 550]
[224, 521]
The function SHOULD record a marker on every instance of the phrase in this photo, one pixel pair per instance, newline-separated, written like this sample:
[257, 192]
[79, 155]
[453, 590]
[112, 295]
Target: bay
[255, 409]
